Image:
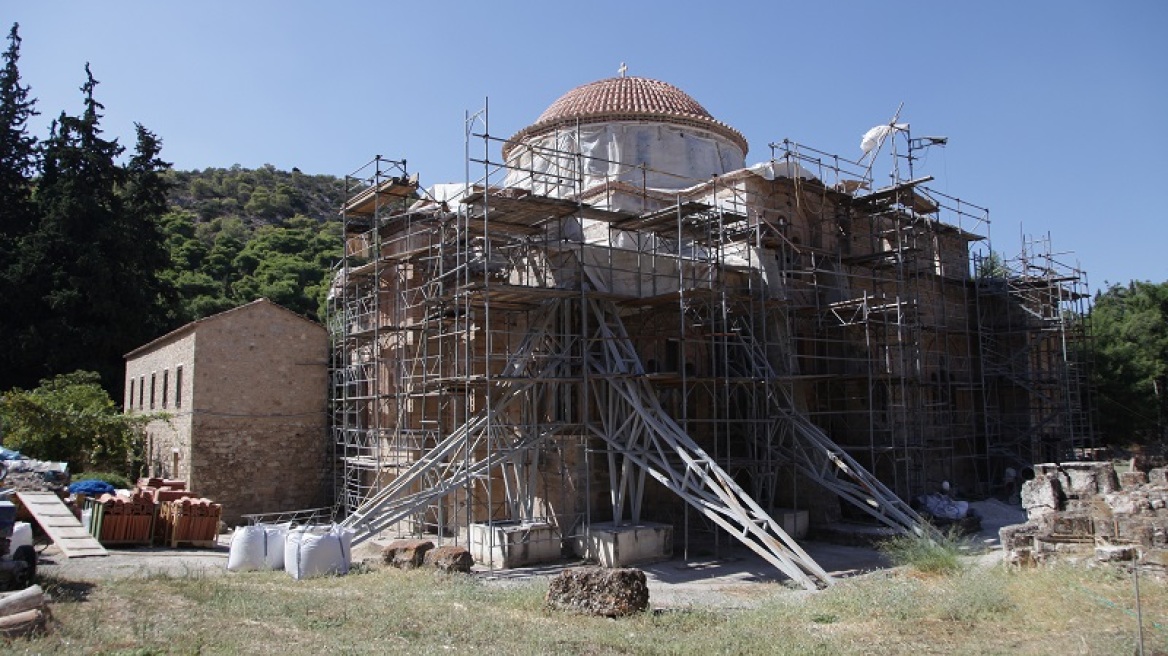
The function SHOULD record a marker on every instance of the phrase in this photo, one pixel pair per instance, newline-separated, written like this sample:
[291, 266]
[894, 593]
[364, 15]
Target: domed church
[633, 130]
[623, 343]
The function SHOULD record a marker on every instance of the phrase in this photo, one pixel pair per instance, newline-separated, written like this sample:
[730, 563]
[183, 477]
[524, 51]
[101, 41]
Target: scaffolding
[1035, 357]
[532, 352]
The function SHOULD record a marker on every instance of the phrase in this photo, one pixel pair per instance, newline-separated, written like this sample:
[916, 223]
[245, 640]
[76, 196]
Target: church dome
[627, 99]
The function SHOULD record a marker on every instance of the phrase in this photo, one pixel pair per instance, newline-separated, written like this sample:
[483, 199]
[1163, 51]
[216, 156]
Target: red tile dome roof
[627, 98]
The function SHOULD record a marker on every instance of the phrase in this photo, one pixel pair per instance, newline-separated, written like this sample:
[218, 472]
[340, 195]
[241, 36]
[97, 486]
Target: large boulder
[406, 554]
[599, 591]
[449, 559]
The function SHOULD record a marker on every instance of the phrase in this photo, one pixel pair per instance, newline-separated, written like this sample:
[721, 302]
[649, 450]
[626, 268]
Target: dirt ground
[732, 578]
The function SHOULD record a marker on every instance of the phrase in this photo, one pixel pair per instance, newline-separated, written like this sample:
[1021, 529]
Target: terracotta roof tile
[628, 98]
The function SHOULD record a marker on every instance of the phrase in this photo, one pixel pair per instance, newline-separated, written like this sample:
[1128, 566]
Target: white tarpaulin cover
[673, 157]
[873, 138]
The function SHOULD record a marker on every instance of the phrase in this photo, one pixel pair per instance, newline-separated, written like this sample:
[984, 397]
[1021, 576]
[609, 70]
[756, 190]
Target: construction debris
[23, 613]
[599, 591]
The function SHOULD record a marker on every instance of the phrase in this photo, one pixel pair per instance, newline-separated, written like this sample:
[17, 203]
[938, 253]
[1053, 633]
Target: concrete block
[1131, 479]
[599, 591]
[1023, 557]
[1114, 553]
[1158, 477]
[1041, 496]
[1073, 524]
[514, 544]
[1135, 530]
[1018, 536]
[406, 554]
[793, 522]
[611, 545]
[1126, 503]
[1154, 557]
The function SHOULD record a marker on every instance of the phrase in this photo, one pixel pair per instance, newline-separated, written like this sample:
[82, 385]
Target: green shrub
[938, 553]
[116, 480]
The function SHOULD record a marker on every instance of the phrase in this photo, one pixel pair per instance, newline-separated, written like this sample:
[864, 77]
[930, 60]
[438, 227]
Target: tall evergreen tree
[18, 151]
[97, 250]
[17, 147]
[147, 303]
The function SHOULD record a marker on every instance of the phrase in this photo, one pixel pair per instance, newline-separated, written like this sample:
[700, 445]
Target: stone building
[246, 393]
[621, 330]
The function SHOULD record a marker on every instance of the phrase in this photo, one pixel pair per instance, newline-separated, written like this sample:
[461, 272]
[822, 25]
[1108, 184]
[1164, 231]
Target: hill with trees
[234, 235]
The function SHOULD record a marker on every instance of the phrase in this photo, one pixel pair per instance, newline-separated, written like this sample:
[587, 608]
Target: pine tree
[17, 148]
[70, 260]
[18, 214]
[146, 301]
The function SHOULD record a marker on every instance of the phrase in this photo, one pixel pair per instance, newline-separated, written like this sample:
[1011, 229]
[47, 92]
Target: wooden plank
[60, 524]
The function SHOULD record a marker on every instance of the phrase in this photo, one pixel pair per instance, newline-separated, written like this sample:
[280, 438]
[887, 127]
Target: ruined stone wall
[1084, 512]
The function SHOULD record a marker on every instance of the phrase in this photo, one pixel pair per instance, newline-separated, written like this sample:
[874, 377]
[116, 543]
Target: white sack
[21, 536]
[274, 537]
[310, 551]
[248, 545]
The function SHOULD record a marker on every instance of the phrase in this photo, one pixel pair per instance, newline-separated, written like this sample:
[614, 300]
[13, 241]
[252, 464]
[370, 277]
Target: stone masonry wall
[259, 433]
[164, 364]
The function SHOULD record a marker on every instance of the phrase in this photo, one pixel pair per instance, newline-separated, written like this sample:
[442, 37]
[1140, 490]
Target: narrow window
[165, 386]
[141, 391]
[130, 403]
[178, 386]
[153, 386]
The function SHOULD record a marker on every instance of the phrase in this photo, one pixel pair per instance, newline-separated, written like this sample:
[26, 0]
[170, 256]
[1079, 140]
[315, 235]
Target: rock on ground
[406, 554]
[599, 591]
[449, 559]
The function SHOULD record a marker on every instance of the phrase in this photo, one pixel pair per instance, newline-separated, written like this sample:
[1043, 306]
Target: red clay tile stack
[191, 521]
[126, 520]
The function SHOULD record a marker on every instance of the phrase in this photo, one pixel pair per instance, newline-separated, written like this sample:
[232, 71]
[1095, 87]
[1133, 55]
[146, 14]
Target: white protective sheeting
[450, 193]
[874, 137]
[781, 168]
[642, 153]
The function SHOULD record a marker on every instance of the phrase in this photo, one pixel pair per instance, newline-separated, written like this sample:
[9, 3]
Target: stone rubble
[1084, 511]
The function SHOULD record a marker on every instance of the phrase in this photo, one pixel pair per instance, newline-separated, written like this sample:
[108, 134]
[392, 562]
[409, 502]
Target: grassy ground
[974, 611]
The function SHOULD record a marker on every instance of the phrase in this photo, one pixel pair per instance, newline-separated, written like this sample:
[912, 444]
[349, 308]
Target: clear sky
[1055, 110]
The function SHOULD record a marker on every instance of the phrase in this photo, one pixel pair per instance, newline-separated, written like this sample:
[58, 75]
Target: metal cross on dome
[623, 69]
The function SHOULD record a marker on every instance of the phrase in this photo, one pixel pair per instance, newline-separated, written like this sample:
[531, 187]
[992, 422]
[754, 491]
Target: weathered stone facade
[246, 392]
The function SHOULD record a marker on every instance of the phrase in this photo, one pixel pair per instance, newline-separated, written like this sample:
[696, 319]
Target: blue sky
[1055, 111]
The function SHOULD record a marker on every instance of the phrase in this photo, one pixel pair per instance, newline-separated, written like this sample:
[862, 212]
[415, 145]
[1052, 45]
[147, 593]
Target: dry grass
[987, 611]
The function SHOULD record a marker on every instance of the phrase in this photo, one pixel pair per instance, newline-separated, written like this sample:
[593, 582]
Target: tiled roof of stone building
[628, 98]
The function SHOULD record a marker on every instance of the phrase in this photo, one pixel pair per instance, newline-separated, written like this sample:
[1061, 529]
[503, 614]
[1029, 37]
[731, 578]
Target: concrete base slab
[514, 544]
[611, 545]
[793, 522]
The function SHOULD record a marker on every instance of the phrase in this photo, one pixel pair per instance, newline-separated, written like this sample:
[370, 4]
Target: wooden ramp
[68, 533]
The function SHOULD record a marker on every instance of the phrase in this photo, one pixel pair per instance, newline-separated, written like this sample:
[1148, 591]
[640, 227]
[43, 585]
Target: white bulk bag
[317, 551]
[248, 546]
[275, 535]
